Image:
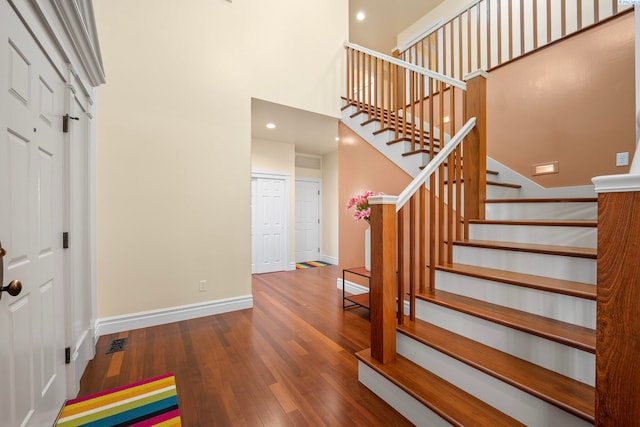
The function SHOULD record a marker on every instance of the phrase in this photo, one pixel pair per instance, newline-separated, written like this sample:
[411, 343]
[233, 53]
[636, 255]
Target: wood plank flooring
[289, 361]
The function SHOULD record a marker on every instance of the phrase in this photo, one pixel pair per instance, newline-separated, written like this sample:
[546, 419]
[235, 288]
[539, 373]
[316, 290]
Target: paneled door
[269, 225]
[307, 220]
[32, 323]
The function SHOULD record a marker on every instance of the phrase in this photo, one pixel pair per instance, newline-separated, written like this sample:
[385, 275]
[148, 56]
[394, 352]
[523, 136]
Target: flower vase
[367, 249]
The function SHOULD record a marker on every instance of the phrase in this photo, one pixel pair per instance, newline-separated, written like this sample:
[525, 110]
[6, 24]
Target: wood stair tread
[503, 184]
[545, 200]
[564, 333]
[494, 183]
[564, 392]
[541, 222]
[548, 284]
[453, 404]
[573, 251]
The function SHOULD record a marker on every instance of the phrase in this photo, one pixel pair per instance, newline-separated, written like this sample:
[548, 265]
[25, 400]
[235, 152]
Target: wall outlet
[622, 159]
[202, 286]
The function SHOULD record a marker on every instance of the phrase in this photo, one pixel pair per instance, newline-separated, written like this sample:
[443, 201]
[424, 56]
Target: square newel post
[384, 280]
[475, 146]
[618, 301]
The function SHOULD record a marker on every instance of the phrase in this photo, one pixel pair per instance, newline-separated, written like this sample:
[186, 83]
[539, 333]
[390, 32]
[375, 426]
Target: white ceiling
[315, 133]
[385, 19]
[311, 133]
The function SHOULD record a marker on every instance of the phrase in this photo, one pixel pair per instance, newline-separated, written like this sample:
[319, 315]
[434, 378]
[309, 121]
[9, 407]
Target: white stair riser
[510, 400]
[582, 237]
[568, 361]
[500, 192]
[560, 267]
[578, 311]
[400, 400]
[550, 210]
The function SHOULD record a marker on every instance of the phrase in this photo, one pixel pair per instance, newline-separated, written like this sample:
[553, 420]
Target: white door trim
[320, 224]
[283, 176]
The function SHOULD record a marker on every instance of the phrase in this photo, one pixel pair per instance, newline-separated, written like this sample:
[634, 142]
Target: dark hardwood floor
[289, 361]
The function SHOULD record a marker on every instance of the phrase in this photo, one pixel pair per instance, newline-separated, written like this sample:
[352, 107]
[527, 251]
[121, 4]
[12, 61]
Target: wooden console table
[357, 300]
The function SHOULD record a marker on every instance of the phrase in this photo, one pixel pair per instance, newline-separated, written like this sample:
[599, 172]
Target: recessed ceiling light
[271, 125]
[360, 16]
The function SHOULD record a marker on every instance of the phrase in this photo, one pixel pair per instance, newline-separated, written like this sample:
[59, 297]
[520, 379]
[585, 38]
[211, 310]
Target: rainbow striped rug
[152, 402]
[311, 264]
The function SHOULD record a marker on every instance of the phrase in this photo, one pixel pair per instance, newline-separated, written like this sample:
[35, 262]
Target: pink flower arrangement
[361, 204]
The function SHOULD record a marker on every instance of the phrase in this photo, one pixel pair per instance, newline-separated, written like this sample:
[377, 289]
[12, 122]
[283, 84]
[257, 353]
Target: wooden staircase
[509, 323]
[507, 336]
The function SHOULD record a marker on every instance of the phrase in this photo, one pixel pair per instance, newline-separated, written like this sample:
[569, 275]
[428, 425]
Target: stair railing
[488, 33]
[448, 127]
[423, 108]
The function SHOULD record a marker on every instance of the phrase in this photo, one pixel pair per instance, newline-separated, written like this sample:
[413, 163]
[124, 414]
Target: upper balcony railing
[489, 33]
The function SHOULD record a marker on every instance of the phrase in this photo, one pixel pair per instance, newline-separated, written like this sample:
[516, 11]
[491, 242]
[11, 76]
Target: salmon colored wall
[573, 102]
[360, 168]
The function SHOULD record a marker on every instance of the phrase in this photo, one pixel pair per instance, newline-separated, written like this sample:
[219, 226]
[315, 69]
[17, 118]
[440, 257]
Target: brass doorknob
[14, 288]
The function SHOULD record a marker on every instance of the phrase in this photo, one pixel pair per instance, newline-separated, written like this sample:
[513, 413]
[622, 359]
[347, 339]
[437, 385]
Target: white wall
[174, 135]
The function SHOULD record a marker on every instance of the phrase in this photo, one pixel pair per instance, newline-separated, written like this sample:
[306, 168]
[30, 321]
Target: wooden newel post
[475, 146]
[383, 277]
[618, 300]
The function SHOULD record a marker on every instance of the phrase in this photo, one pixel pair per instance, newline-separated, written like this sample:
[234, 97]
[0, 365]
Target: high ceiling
[384, 19]
[314, 133]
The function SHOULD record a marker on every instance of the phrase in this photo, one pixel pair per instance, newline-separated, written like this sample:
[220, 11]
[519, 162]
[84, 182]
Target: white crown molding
[79, 23]
[145, 319]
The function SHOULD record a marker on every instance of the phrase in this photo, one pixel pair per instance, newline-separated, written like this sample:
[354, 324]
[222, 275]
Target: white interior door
[307, 220]
[269, 225]
[32, 324]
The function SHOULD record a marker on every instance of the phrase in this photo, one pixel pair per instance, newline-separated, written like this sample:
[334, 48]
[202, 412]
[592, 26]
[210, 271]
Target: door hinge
[318, 220]
[318, 250]
[65, 240]
[67, 355]
[318, 192]
[65, 122]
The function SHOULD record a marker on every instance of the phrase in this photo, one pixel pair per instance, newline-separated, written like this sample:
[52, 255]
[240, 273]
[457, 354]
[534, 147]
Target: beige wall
[359, 170]
[330, 205]
[572, 102]
[308, 173]
[174, 135]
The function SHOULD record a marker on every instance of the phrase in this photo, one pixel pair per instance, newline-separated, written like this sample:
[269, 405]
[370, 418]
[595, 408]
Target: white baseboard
[292, 266]
[352, 288]
[330, 259]
[145, 319]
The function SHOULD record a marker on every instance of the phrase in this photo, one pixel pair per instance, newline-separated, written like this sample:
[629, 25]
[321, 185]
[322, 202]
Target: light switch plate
[622, 159]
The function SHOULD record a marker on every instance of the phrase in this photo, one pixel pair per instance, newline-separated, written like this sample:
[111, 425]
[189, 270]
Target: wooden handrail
[434, 164]
[408, 66]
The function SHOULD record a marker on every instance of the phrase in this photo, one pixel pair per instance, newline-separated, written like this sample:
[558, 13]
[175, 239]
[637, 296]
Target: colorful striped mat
[152, 402]
[311, 264]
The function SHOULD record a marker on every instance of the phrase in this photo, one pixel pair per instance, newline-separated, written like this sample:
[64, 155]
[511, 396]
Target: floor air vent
[116, 345]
